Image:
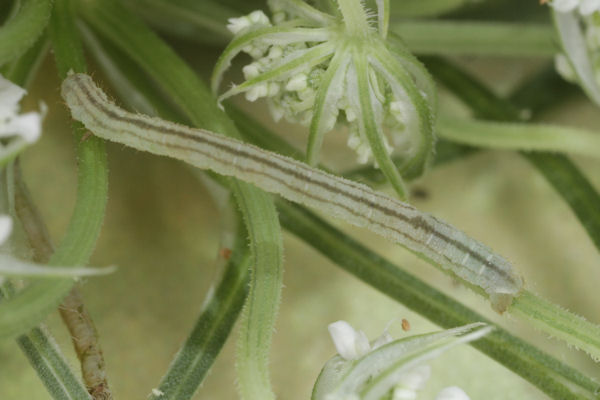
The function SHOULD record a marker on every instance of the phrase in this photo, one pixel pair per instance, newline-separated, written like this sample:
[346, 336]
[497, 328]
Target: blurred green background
[162, 230]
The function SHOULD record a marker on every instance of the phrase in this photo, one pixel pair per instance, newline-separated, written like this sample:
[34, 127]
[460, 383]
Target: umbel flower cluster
[320, 69]
[17, 131]
[578, 24]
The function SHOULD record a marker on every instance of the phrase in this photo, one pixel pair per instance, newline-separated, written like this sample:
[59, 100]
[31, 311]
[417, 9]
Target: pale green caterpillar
[357, 204]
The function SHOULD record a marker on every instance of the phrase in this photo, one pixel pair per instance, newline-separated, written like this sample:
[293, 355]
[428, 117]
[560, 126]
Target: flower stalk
[321, 70]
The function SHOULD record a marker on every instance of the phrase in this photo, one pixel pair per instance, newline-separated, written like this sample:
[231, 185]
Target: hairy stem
[72, 310]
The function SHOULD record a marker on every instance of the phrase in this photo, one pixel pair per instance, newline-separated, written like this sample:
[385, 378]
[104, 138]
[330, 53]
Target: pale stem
[73, 312]
[355, 17]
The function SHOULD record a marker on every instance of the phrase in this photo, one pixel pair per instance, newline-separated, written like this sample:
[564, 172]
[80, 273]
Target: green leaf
[377, 373]
[191, 95]
[10, 266]
[325, 108]
[550, 375]
[23, 28]
[444, 37]
[198, 353]
[561, 173]
[46, 358]
[287, 66]
[31, 305]
[272, 35]
[359, 90]
[520, 136]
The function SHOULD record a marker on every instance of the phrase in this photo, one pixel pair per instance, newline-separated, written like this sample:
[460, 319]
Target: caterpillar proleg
[424, 234]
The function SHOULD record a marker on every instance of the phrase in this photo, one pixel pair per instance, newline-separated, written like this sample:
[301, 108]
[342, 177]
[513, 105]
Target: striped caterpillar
[424, 234]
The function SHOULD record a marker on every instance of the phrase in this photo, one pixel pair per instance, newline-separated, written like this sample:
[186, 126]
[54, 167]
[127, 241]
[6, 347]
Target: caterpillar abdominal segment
[446, 246]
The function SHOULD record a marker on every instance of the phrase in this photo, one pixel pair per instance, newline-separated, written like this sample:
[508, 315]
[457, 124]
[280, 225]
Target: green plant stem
[478, 38]
[196, 356]
[196, 102]
[337, 246]
[354, 17]
[561, 173]
[425, 8]
[549, 374]
[568, 180]
[44, 355]
[544, 371]
[23, 28]
[19, 71]
[558, 322]
[574, 188]
[30, 306]
[519, 136]
[554, 378]
[423, 37]
[444, 152]
[539, 93]
[38, 345]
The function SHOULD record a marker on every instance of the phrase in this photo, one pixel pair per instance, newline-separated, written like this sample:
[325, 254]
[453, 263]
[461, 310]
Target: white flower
[256, 19]
[585, 7]
[321, 64]
[352, 344]
[349, 343]
[387, 368]
[578, 27]
[27, 125]
[452, 393]
[5, 228]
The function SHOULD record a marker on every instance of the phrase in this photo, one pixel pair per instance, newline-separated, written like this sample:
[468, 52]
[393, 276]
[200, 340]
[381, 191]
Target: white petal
[565, 5]
[297, 83]
[273, 89]
[564, 68]
[350, 114]
[251, 71]
[28, 126]
[349, 343]
[236, 25]
[452, 393]
[256, 92]
[404, 394]
[275, 52]
[5, 227]
[587, 7]
[10, 95]
[276, 110]
[259, 18]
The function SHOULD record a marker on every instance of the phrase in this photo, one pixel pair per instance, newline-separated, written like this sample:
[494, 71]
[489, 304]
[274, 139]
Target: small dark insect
[420, 193]
[86, 136]
[225, 253]
[405, 325]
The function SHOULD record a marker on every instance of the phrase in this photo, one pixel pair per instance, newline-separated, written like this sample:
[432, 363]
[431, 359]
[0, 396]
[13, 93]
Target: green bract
[311, 65]
[382, 372]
